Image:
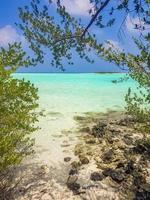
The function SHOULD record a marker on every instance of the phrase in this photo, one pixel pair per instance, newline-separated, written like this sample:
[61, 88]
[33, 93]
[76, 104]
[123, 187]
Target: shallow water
[68, 93]
[63, 96]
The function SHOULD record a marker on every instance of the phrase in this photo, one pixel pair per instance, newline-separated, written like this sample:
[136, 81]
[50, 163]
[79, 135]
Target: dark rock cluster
[117, 175]
[99, 129]
[119, 155]
[107, 155]
[96, 176]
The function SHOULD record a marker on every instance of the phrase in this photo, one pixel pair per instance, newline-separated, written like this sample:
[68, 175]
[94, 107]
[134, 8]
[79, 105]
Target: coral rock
[67, 159]
[96, 176]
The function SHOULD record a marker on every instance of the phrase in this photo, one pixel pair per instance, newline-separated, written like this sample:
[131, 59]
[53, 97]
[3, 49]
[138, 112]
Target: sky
[9, 33]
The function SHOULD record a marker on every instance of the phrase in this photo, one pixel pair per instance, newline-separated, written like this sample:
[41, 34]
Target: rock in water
[74, 187]
[129, 167]
[139, 149]
[99, 129]
[142, 195]
[67, 159]
[72, 179]
[96, 176]
[107, 155]
[107, 172]
[73, 171]
[75, 164]
[90, 141]
[84, 160]
[116, 175]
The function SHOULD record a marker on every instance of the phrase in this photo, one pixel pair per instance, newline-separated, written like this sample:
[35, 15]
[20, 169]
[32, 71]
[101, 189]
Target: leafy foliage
[18, 104]
[138, 102]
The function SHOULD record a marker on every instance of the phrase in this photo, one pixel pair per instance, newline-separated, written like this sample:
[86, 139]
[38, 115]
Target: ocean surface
[63, 96]
[89, 92]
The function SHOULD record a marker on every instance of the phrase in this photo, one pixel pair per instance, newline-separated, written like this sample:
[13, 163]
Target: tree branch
[94, 17]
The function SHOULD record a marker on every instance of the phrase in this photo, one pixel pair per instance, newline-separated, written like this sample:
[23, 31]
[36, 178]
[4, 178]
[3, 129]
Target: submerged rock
[146, 187]
[128, 140]
[109, 138]
[44, 169]
[141, 148]
[74, 187]
[90, 141]
[67, 159]
[114, 129]
[75, 164]
[78, 149]
[85, 129]
[99, 129]
[107, 172]
[129, 167]
[79, 118]
[125, 121]
[65, 145]
[72, 179]
[142, 195]
[96, 176]
[73, 171]
[84, 160]
[120, 165]
[116, 175]
[107, 155]
[138, 178]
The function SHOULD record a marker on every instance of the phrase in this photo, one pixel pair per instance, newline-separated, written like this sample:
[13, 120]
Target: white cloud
[9, 35]
[112, 44]
[77, 7]
[131, 22]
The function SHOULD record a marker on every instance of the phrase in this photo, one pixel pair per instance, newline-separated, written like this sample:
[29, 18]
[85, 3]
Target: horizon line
[71, 72]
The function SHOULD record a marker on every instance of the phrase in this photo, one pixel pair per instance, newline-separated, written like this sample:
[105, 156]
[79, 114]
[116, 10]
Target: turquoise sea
[68, 93]
[63, 96]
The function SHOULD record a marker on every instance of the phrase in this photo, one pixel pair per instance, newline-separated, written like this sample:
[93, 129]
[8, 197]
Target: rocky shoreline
[113, 162]
[110, 162]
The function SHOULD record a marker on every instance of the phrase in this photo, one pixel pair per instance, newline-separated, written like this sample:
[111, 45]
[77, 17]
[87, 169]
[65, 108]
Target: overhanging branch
[94, 17]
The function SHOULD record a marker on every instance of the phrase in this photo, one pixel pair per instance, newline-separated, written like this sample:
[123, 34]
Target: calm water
[68, 93]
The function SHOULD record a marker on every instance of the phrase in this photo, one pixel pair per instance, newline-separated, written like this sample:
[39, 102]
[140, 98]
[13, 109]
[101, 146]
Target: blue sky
[9, 33]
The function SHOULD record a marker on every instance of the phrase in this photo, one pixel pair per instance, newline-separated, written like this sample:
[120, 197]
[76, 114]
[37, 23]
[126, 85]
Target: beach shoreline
[86, 163]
